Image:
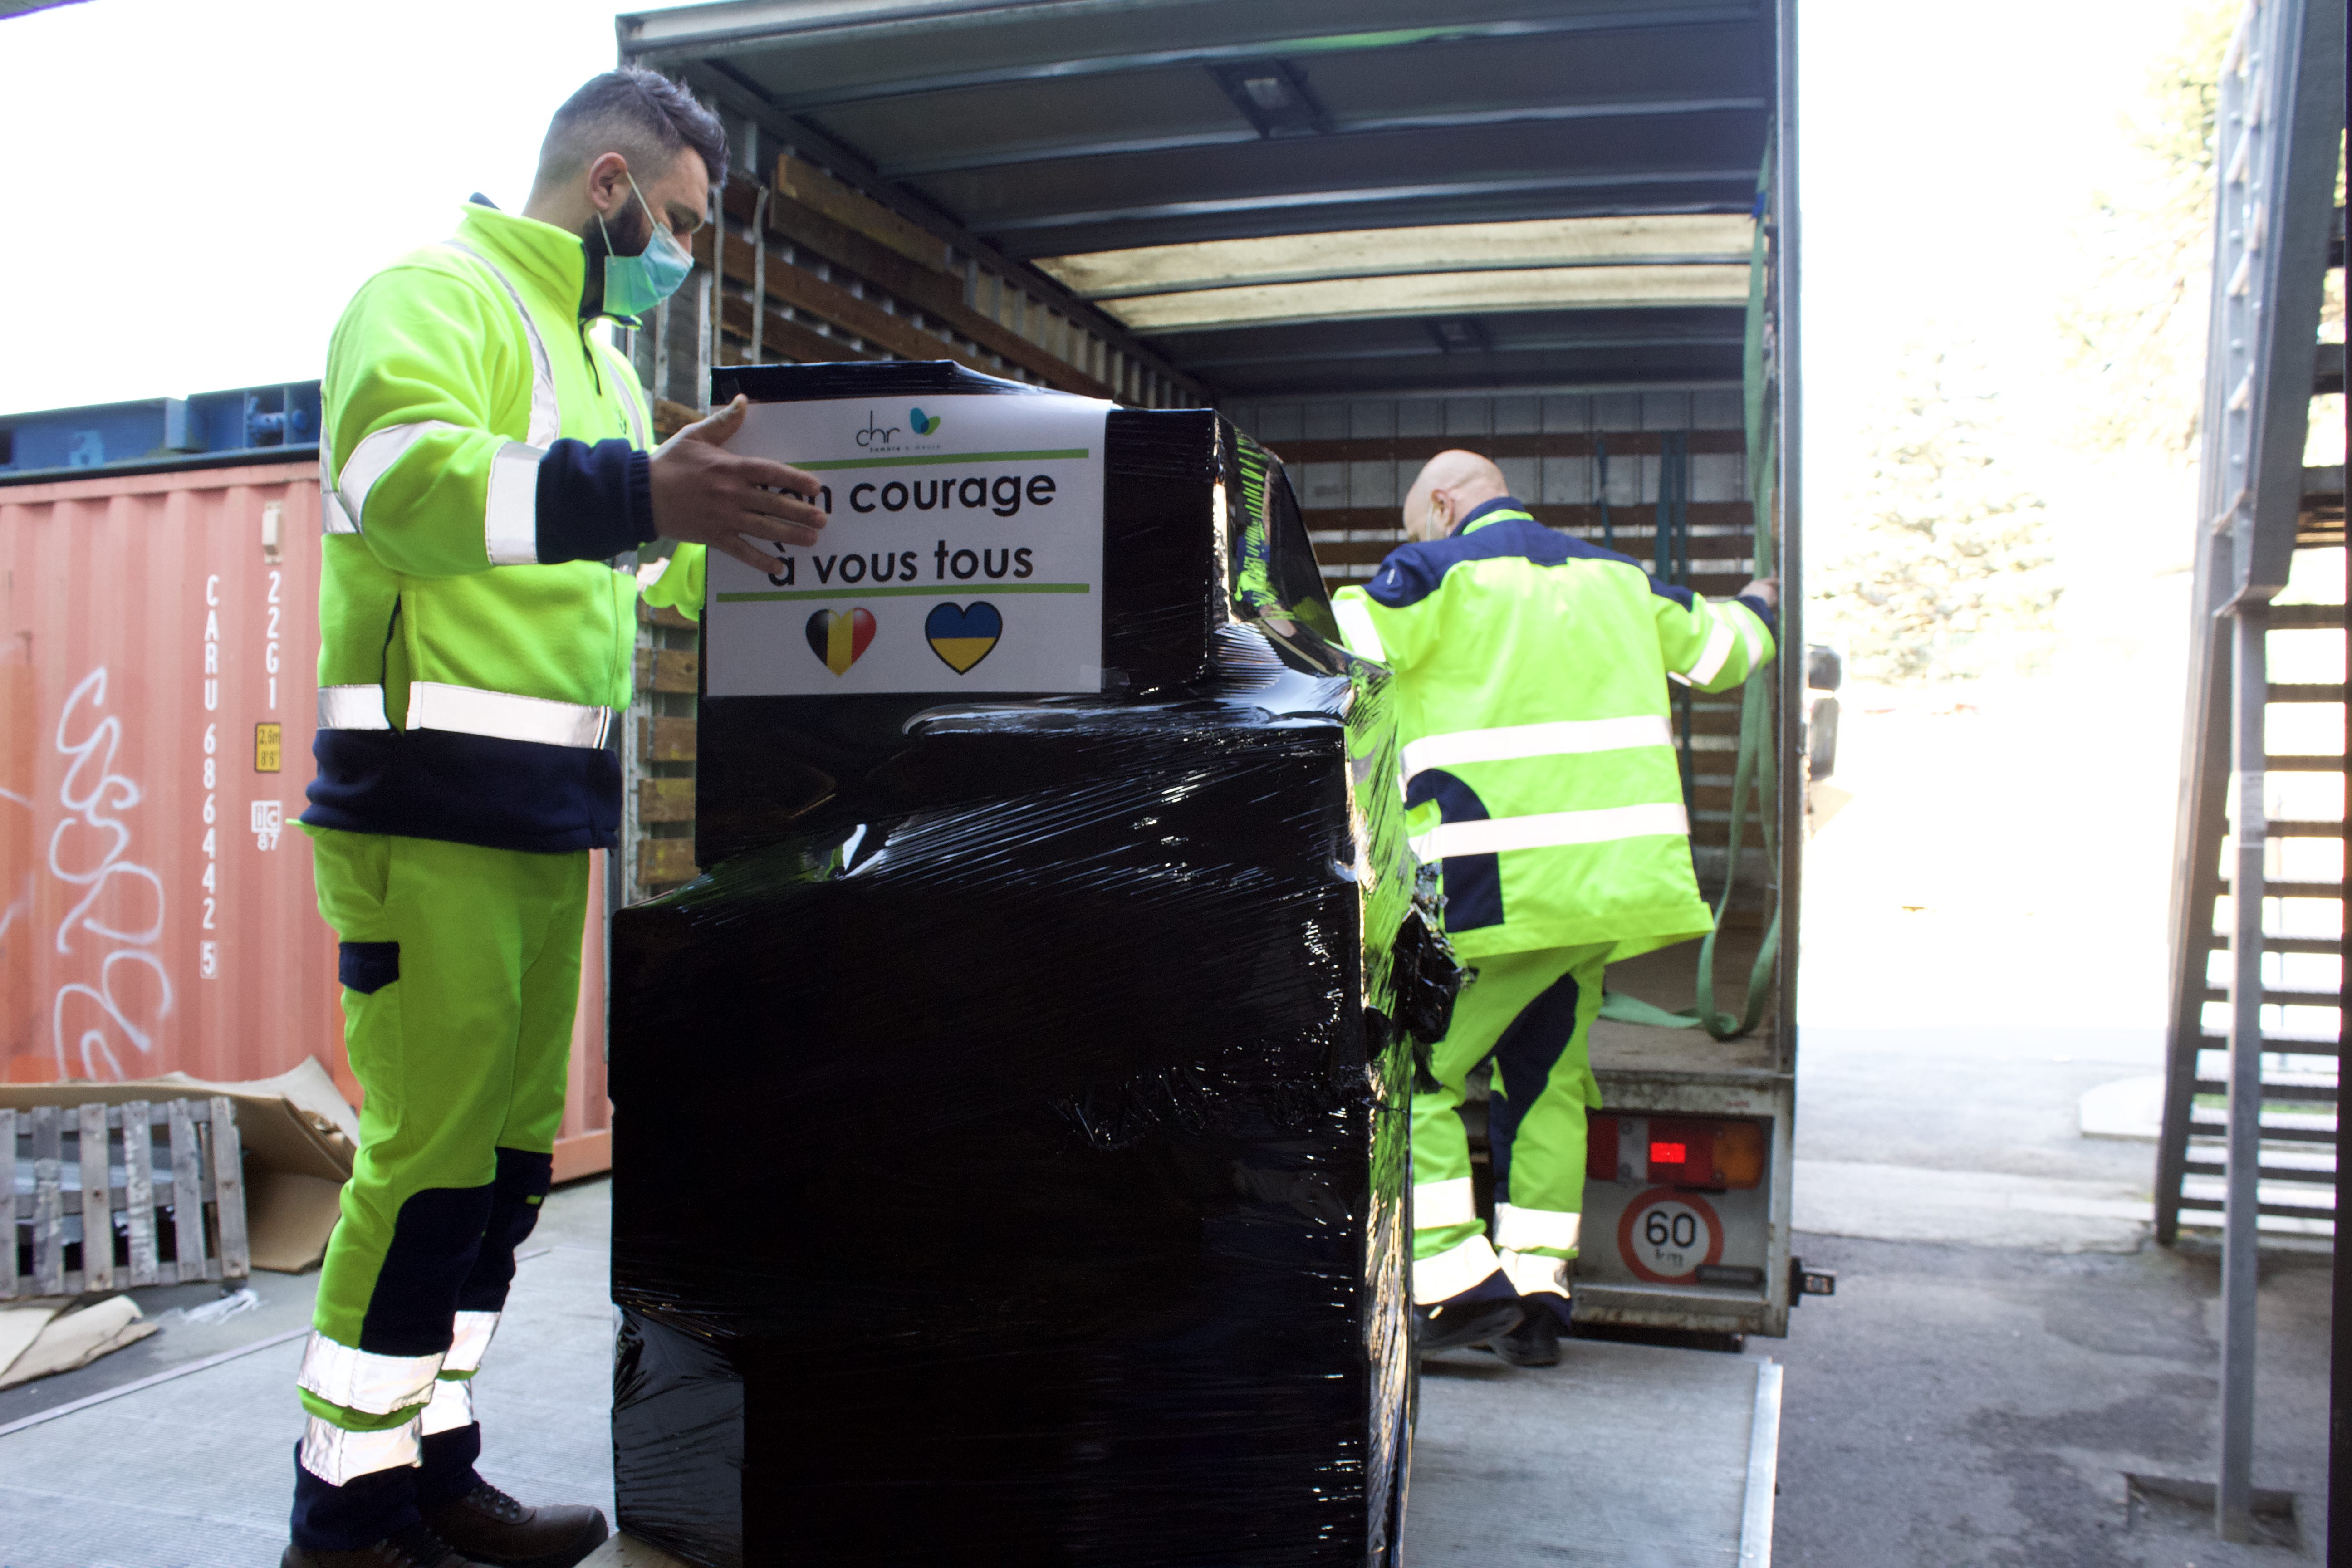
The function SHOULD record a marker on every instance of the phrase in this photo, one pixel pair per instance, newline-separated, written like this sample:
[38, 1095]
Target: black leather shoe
[1535, 1342]
[492, 1529]
[415, 1547]
[1449, 1325]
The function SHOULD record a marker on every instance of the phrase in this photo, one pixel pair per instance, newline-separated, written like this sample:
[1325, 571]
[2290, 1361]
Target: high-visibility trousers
[1531, 1013]
[461, 973]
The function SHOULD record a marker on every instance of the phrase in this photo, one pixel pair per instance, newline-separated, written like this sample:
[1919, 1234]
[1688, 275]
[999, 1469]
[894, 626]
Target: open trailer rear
[1559, 232]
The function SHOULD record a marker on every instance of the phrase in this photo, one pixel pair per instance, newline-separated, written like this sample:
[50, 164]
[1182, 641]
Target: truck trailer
[1562, 233]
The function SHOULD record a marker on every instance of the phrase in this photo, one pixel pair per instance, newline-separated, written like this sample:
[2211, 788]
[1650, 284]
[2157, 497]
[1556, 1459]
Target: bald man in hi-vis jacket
[1539, 774]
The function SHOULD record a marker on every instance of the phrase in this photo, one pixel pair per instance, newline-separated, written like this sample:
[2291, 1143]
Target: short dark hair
[642, 115]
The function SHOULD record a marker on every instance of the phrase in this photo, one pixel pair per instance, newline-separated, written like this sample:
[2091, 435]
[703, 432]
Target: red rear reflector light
[1694, 1152]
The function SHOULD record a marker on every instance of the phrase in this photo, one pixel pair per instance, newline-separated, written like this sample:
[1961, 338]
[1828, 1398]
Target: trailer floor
[1623, 1456]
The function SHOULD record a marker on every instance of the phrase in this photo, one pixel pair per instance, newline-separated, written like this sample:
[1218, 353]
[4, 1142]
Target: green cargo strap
[1756, 766]
[1756, 760]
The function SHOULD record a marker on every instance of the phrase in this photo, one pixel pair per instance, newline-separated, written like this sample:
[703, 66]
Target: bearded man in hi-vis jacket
[1540, 775]
[485, 466]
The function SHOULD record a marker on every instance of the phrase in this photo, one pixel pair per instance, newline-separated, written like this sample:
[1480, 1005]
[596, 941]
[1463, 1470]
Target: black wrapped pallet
[1010, 1162]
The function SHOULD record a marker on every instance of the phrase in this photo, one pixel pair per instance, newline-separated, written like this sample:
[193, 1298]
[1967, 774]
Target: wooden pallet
[115, 1159]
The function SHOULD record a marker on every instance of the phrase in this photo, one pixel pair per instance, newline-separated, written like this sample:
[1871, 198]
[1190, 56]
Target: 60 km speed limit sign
[1666, 1236]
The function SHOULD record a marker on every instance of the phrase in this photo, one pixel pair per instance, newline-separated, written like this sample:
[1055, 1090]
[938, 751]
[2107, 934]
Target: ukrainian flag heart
[839, 638]
[962, 635]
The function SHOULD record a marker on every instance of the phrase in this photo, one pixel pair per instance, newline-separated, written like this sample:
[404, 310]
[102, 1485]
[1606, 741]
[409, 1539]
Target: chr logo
[875, 434]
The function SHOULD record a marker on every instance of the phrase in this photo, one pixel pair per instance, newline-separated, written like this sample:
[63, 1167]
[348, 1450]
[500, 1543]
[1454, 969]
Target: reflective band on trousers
[1532, 1273]
[340, 1457]
[1509, 742]
[1437, 1205]
[1547, 829]
[1711, 657]
[470, 1337]
[360, 1380]
[452, 1406]
[1516, 1227]
[510, 507]
[1356, 625]
[351, 708]
[1451, 1271]
[470, 711]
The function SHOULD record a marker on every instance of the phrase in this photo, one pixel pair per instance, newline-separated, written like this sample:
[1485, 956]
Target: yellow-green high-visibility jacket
[1532, 697]
[483, 458]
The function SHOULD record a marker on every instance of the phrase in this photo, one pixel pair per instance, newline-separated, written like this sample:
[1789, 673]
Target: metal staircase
[2258, 915]
[2303, 893]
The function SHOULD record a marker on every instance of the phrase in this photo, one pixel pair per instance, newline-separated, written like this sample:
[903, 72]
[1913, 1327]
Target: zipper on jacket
[589, 354]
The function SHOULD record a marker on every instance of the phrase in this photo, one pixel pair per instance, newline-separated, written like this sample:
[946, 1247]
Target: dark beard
[630, 234]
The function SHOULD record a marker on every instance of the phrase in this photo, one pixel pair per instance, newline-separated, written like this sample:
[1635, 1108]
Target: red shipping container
[159, 640]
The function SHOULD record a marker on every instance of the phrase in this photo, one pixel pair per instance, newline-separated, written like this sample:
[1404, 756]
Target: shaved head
[1452, 484]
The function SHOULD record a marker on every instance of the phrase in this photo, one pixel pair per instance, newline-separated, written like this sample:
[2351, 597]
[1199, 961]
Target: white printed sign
[962, 553]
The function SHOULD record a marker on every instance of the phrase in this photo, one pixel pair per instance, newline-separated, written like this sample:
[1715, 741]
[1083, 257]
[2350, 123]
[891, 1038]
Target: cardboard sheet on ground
[299, 1135]
[61, 1341]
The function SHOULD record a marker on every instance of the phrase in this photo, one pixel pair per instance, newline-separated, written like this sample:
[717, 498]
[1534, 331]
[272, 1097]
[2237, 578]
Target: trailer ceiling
[1289, 196]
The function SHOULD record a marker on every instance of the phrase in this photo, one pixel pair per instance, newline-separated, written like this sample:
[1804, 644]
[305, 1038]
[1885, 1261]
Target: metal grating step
[2280, 1211]
[2310, 1176]
[2284, 995]
[2326, 944]
[2276, 1093]
[2272, 1132]
[2286, 890]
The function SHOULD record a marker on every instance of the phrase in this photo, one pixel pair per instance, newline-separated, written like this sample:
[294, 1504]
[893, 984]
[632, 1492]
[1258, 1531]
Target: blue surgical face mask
[635, 284]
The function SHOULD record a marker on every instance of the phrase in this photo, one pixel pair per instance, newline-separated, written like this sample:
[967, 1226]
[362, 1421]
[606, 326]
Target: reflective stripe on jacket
[483, 458]
[1539, 759]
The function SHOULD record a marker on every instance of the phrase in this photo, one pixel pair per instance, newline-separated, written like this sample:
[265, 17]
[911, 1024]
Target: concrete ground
[1962, 1407]
[178, 1452]
[1985, 942]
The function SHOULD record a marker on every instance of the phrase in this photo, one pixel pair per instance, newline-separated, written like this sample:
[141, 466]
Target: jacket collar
[1489, 511]
[542, 258]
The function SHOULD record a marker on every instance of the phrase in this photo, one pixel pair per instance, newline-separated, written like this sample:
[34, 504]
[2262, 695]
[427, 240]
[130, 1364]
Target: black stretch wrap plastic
[1011, 1148]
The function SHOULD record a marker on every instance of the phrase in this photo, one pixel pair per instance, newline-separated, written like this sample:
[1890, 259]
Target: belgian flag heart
[962, 635]
[838, 637]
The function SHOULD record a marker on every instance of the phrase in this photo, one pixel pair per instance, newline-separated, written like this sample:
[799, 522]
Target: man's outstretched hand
[707, 495]
[1765, 588]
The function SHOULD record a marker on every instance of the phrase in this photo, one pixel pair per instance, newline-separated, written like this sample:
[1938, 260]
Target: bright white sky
[249, 161]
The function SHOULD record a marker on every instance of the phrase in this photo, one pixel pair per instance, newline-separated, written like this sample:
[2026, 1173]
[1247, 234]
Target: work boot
[492, 1529]
[415, 1547]
[1451, 1324]
[1535, 1341]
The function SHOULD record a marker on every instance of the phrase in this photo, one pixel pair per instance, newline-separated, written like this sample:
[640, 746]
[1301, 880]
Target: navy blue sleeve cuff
[1764, 612]
[594, 500]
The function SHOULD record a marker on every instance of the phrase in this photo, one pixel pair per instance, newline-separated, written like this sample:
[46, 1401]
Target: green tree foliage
[1953, 573]
[2136, 329]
